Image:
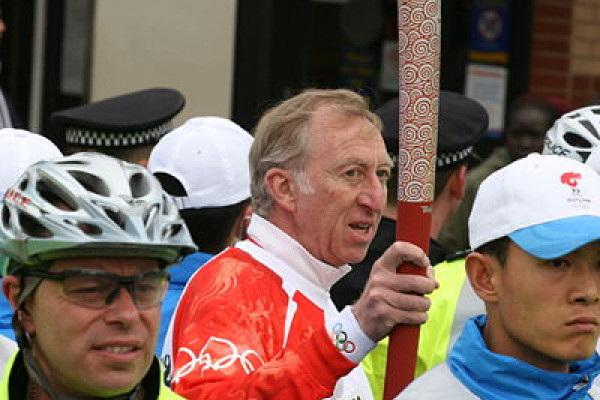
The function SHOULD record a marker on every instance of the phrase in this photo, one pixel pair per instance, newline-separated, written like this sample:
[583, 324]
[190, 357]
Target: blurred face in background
[526, 131]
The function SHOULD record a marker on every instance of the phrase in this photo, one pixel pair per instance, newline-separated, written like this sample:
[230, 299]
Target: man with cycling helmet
[575, 134]
[86, 240]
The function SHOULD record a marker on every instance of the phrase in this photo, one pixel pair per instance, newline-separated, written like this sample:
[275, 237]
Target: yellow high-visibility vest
[442, 324]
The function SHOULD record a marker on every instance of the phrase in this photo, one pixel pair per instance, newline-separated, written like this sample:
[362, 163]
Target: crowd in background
[143, 260]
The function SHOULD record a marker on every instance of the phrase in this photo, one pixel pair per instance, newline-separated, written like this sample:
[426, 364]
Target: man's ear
[483, 272]
[281, 185]
[458, 182]
[239, 231]
[245, 222]
[11, 287]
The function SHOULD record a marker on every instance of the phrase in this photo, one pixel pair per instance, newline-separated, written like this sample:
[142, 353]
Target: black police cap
[132, 119]
[461, 124]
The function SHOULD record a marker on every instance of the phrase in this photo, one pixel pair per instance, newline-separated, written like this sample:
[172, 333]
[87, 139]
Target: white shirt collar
[288, 250]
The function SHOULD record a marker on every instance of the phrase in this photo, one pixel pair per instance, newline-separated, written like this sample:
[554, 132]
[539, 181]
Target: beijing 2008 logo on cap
[572, 180]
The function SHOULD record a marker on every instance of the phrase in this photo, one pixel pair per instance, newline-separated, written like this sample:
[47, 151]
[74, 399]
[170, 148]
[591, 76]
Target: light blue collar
[494, 376]
[182, 272]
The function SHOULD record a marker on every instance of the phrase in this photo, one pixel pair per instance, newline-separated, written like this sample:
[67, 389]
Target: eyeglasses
[99, 289]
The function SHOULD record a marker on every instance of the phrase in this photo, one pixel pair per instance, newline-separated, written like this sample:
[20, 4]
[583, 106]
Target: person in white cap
[18, 150]
[203, 165]
[535, 228]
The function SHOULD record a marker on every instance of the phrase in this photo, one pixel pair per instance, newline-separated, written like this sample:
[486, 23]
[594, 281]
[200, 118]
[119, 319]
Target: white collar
[281, 245]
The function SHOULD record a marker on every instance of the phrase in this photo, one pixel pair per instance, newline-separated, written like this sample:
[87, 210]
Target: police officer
[125, 126]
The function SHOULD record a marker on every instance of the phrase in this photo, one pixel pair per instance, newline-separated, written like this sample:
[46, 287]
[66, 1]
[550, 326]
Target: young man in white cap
[535, 228]
[18, 150]
[203, 165]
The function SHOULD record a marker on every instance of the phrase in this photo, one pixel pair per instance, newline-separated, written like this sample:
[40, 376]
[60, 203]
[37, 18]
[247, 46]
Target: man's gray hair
[282, 137]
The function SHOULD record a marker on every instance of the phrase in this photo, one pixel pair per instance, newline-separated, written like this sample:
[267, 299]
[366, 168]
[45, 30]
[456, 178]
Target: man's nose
[587, 286]
[122, 303]
[373, 194]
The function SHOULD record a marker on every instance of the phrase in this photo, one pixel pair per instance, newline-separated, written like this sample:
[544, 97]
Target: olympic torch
[418, 56]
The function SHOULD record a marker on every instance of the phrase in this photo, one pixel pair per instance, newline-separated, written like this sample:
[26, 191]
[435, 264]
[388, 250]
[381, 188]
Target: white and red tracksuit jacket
[257, 322]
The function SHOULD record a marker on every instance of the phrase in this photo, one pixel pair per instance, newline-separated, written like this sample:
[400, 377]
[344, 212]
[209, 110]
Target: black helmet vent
[31, 227]
[139, 184]
[91, 183]
[55, 196]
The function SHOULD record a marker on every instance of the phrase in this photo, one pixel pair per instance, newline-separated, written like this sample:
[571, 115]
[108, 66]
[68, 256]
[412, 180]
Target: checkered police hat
[461, 124]
[132, 119]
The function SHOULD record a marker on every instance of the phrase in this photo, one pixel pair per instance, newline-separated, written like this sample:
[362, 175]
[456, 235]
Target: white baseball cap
[18, 150]
[209, 157]
[548, 205]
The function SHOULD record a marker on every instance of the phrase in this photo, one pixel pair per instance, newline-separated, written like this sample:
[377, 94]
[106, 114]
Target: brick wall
[565, 61]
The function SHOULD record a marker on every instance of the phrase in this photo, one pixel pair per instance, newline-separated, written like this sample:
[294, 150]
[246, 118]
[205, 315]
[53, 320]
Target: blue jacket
[180, 274]
[472, 371]
[6, 313]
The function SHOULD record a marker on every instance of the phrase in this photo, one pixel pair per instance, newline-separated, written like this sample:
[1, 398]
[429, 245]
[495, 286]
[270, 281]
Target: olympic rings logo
[340, 339]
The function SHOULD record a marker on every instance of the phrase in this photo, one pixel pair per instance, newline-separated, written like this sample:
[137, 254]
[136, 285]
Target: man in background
[18, 150]
[461, 124]
[529, 118]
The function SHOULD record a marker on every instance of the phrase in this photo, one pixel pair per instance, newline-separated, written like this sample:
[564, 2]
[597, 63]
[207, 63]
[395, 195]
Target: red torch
[418, 55]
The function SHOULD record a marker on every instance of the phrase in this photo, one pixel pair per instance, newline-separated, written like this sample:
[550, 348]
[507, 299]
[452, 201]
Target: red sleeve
[229, 331]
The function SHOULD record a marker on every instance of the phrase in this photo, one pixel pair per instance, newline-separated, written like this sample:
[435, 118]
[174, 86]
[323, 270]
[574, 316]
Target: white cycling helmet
[89, 204]
[575, 134]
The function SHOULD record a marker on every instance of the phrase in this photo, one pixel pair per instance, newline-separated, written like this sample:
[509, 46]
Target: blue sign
[489, 26]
